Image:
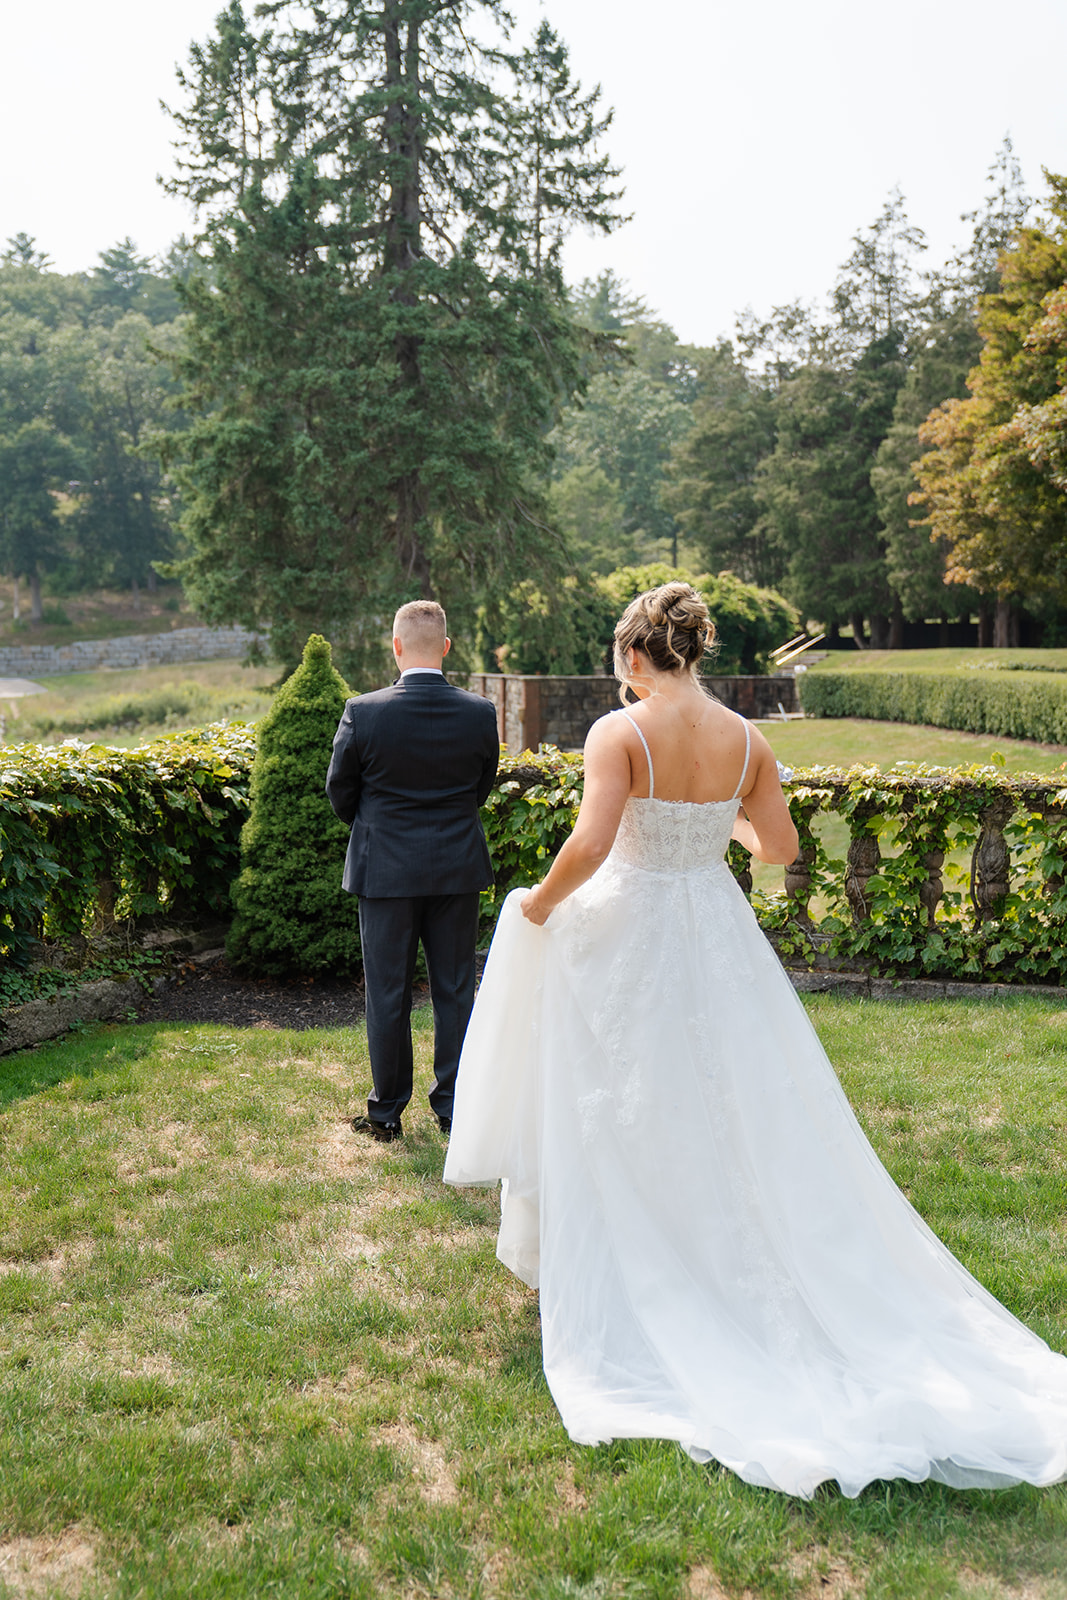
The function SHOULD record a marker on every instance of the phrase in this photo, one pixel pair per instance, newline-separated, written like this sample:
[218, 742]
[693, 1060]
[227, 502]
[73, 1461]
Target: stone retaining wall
[133, 650]
[531, 711]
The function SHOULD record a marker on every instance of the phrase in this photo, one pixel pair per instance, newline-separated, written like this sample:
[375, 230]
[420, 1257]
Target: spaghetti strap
[648, 754]
[748, 751]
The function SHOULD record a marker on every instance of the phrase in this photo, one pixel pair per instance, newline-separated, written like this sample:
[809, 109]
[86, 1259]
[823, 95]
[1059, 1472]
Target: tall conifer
[386, 342]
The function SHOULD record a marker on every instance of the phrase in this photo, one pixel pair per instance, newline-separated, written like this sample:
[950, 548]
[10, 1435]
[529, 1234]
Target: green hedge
[90, 835]
[1021, 707]
[87, 834]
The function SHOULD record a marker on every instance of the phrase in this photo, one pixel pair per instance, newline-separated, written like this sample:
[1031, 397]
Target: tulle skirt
[722, 1259]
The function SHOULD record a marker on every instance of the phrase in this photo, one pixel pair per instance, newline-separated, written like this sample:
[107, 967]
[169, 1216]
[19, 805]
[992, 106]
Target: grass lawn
[855, 741]
[245, 1352]
[968, 659]
[127, 708]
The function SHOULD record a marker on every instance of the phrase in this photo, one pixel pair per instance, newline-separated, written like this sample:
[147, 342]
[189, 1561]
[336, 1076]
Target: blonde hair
[670, 625]
[422, 627]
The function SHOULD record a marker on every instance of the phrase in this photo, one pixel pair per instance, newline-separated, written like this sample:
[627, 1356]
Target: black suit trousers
[390, 930]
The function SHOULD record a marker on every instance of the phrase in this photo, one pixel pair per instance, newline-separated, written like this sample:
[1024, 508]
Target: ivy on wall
[957, 874]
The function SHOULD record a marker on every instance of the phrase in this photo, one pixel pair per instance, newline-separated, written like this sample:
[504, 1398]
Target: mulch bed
[213, 992]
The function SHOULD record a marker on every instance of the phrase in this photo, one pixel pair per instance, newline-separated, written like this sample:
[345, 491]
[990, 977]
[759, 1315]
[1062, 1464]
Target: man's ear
[447, 648]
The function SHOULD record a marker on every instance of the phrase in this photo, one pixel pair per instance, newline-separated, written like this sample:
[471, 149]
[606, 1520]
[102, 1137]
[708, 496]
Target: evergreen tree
[386, 343]
[292, 916]
[816, 489]
[713, 488]
[915, 563]
[619, 437]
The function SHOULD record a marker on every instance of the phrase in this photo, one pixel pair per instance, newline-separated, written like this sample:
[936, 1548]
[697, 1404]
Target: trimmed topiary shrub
[291, 913]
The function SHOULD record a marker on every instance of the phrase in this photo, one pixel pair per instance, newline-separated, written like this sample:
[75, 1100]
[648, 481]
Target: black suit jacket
[411, 766]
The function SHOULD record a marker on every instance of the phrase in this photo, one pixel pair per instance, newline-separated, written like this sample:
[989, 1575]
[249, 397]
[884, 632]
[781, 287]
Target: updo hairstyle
[670, 625]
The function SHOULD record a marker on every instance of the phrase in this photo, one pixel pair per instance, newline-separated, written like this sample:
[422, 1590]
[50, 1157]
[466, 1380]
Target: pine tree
[292, 916]
[386, 343]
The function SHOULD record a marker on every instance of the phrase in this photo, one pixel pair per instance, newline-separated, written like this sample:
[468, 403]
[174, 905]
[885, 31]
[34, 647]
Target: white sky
[756, 138]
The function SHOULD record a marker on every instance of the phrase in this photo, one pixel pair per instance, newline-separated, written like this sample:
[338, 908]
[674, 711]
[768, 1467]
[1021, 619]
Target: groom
[411, 766]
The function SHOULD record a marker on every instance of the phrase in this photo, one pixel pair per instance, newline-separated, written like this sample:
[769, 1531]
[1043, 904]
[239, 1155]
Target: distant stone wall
[134, 650]
[532, 710]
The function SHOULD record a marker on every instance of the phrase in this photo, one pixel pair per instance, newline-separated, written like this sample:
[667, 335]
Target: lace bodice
[674, 835]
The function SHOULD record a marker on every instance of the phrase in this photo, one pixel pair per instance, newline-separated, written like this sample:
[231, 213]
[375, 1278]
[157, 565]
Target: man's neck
[404, 671]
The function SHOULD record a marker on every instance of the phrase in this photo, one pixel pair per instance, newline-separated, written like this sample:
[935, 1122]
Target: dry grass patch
[46, 1563]
[571, 1498]
[426, 1458]
[58, 1264]
[702, 1584]
[825, 1577]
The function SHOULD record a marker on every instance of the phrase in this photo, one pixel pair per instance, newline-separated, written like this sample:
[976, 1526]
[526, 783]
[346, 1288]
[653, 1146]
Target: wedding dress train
[721, 1257]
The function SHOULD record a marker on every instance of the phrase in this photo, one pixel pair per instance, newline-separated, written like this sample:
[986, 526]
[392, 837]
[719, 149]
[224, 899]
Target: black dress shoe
[384, 1132]
[445, 1124]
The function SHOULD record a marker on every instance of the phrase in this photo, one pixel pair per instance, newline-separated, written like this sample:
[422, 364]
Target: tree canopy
[991, 480]
[385, 343]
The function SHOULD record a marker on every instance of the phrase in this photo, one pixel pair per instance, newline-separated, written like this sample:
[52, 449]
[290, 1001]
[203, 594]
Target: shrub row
[89, 835]
[1020, 708]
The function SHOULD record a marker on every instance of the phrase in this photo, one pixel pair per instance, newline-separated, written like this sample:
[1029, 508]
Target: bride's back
[697, 747]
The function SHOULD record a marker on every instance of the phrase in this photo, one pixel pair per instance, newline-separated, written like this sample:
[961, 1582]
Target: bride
[722, 1260]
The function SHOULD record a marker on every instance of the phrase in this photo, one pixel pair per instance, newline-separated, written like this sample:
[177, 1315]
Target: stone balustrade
[940, 868]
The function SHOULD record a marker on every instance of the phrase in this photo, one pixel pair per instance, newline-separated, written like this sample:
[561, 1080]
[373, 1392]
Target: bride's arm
[763, 824]
[608, 782]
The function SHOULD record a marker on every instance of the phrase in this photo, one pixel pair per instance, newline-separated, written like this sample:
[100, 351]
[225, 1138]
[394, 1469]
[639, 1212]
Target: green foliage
[918, 814]
[20, 984]
[80, 393]
[712, 487]
[94, 833]
[799, 466]
[749, 622]
[612, 449]
[915, 563]
[291, 913]
[989, 478]
[561, 628]
[625, 429]
[815, 485]
[527, 817]
[1022, 707]
[568, 627]
[386, 343]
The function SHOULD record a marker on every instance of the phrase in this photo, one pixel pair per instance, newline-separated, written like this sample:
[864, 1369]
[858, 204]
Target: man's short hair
[422, 627]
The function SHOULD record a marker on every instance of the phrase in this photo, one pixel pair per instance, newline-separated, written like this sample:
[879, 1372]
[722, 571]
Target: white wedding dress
[721, 1257]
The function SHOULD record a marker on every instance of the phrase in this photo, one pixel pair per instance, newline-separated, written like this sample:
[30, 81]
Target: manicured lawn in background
[244, 1352]
[855, 741]
[951, 660]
